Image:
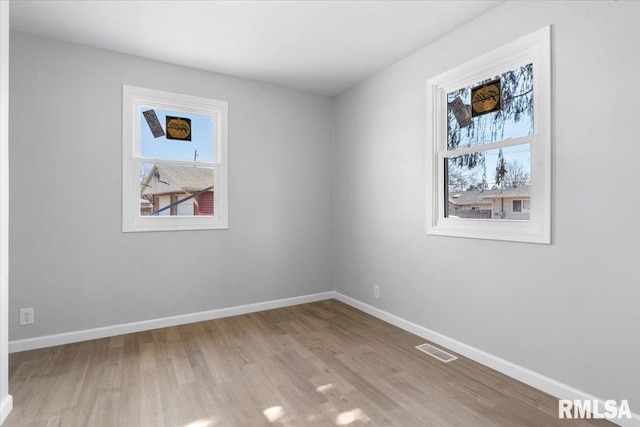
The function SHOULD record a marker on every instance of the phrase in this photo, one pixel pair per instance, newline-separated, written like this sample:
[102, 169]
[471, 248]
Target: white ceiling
[324, 47]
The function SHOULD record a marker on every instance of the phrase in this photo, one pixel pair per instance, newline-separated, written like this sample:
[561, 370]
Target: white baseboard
[527, 376]
[5, 407]
[146, 325]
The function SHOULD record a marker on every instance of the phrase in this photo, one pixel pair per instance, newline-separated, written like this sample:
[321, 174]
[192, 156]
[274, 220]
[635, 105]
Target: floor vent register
[439, 354]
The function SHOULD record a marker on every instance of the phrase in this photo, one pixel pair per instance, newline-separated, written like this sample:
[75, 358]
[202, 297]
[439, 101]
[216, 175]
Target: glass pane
[172, 190]
[484, 185]
[176, 135]
[504, 105]
[516, 206]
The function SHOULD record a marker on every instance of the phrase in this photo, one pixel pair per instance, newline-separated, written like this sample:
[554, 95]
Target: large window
[489, 145]
[174, 161]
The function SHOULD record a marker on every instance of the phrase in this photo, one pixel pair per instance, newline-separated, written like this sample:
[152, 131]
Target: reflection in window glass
[176, 190]
[183, 136]
[513, 119]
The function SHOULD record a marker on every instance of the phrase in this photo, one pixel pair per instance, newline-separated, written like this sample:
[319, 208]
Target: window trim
[534, 48]
[132, 99]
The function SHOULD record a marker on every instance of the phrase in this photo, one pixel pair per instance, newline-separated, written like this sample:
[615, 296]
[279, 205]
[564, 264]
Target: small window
[174, 162]
[517, 205]
[489, 145]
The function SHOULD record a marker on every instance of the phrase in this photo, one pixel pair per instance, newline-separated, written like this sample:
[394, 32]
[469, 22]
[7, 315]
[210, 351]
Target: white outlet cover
[26, 316]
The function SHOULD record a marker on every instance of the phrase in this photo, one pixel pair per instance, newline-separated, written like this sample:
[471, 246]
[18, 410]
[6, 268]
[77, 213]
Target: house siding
[205, 204]
[163, 202]
[508, 209]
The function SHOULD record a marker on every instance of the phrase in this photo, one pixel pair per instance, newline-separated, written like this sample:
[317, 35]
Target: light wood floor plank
[316, 364]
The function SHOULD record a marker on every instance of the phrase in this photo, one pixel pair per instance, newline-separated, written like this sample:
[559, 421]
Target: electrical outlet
[26, 316]
[376, 291]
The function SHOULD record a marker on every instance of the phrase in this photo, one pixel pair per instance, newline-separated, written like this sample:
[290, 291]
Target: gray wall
[69, 258]
[4, 209]
[571, 310]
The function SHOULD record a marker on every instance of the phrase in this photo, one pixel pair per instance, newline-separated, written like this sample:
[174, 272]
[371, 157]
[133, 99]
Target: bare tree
[145, 168]
[462, 179]
[458, 181]
[516, 175]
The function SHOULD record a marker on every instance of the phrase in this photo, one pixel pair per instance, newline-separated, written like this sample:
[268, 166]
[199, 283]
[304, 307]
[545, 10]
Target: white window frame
[534, 48]
[133, 98]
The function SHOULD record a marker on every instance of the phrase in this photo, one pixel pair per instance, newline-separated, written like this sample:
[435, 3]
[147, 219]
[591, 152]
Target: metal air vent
[439, 354]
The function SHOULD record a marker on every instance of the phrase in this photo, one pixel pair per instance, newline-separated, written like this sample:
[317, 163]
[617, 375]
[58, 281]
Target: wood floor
[318, 364]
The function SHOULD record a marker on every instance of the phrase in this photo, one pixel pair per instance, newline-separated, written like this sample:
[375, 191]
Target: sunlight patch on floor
[350, 416]
[323, 388]
[274, 413]
[205, 422]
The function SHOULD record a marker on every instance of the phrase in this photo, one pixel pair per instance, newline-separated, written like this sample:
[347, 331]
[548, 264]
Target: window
[520, 205]
[174, 161]
[488, 127]
[517, 205]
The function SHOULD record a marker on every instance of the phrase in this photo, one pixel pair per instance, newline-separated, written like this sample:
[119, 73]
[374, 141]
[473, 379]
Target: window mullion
[509, 142]
[175, 162]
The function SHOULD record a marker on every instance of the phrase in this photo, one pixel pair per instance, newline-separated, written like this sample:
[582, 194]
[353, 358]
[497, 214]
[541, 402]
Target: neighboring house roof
[523, 192]
[463, 198]
[187, 178]
[475, 197]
